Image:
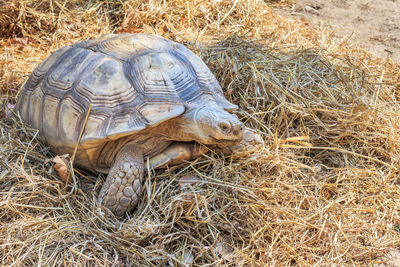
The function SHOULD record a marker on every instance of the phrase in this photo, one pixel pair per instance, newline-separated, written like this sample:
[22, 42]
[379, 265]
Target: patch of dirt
[374, 24]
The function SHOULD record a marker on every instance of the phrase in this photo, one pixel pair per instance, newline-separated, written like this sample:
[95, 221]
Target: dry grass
[324, 190]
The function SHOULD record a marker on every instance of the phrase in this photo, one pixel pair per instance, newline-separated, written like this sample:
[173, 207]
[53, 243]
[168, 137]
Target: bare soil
[373, 24]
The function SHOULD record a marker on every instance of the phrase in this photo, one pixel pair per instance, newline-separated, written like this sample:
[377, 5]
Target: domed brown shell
[131, 81]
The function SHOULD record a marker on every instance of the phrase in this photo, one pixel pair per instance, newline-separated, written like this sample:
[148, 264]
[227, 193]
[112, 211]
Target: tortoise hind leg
[122, 189]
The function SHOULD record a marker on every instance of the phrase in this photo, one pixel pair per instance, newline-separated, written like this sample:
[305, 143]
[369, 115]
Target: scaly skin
[179, 152]
[122, 189]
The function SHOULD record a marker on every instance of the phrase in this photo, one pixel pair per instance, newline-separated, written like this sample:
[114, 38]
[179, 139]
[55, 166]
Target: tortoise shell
[129, 82]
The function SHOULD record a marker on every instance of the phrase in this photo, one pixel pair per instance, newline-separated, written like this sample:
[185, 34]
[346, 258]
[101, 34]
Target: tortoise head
[211, 125]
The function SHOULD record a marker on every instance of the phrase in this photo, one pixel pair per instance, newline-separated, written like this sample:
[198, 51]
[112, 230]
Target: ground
[373, 24]
[323, 190]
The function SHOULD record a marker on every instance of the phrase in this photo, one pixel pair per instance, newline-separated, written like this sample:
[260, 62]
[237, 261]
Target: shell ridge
[128, 68]
[94, 42]
[206, 81]
[191, 95]
[56, 64]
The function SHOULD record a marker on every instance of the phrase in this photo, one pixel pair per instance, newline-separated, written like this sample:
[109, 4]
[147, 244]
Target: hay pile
[323, 190]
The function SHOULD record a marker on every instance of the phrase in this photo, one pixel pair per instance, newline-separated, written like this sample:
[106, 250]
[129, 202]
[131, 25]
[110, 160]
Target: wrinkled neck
[176, 129]
[182, 128]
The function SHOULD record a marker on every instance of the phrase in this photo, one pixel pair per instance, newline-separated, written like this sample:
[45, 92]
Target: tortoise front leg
[122, 189]
[250, 138]
[177, 153]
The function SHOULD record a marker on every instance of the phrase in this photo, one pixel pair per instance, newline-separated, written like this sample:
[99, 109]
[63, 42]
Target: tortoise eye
[224, 126]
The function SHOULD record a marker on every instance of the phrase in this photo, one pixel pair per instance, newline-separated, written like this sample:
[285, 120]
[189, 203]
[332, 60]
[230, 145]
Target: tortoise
[124, 98]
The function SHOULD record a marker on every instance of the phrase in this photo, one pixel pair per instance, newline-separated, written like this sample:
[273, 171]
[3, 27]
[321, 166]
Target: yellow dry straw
[282, 204]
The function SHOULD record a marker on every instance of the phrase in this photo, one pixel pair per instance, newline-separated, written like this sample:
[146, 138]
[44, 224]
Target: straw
[324, 190]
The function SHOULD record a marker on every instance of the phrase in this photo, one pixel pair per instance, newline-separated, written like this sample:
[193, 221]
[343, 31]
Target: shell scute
[96, 126]
[70, 118]
[36, 99]
[157, 111]
[42, 69]
[207, 82]
[106, 86]
[49, 110]
[122, 125]
[156, 72]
